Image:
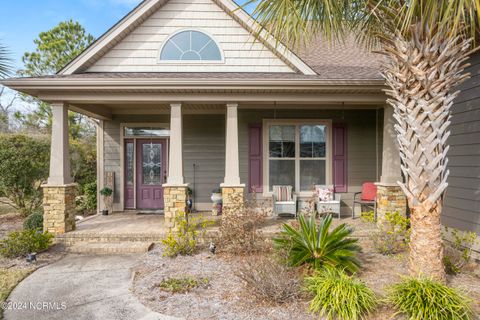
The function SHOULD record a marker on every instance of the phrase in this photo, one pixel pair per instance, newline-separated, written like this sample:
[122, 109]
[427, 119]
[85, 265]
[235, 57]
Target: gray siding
[204, 146]
[364, 158]
[462, 202]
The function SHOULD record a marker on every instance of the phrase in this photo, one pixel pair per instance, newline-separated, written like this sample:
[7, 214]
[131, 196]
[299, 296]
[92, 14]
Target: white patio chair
[284, 201]
[328, 206]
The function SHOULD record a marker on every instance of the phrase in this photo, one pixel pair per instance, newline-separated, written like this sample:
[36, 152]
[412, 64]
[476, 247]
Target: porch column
[175, 190]
[390, 197]
[59, 192]
[232, 189]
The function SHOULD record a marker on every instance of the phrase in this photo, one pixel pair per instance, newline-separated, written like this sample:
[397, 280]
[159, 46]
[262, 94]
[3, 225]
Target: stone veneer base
[59, 208]
[175, 200]
[390, 198]
[232, 198]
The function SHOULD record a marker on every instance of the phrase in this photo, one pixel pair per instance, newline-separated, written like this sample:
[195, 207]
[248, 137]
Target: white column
[391, 172]
[175, 158]
[59, 155]
[232, 164]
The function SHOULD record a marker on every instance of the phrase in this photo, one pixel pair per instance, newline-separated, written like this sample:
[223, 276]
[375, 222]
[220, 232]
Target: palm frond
[5, 62]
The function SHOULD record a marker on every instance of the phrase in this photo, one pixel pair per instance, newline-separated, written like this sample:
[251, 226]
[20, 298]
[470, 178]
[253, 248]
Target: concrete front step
[110, 247]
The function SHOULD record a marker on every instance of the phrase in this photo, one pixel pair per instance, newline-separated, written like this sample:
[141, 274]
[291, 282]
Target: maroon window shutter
[255, 161]
[340, 157]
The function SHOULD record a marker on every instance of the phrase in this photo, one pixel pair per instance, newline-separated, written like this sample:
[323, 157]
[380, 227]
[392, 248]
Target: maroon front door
[151, 166]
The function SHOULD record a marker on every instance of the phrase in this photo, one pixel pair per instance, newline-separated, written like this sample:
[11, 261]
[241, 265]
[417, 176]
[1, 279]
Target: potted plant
[217, 201]
[106, 192]
[189, 199]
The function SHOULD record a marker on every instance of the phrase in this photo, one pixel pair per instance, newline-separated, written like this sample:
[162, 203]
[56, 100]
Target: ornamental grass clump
[337, 295]
[427, 299]
[314, 245]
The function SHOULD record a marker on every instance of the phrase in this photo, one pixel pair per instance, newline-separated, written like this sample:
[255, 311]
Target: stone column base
[59, 208]
[232, 198]
[175, 200]
[390, 198]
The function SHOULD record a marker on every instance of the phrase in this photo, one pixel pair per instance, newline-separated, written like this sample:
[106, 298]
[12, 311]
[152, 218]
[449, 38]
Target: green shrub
[88, 202]
[428, 299]
[183, 284]
[392, 234]
[23, 168]
[315, 245]
[34, 221]
[184, 240]
[20, 243]
[457, 249]
[338, 295]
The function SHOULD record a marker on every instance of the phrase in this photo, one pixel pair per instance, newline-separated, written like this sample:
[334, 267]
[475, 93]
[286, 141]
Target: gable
[139, 51]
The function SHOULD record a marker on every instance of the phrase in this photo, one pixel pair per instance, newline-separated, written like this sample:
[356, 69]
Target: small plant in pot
[217, 201]
[106, 193]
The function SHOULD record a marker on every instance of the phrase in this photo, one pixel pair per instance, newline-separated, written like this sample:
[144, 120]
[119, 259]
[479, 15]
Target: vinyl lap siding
[112, 155]
[204, 146]
[462, 201]
[364, 157]
[139, 51]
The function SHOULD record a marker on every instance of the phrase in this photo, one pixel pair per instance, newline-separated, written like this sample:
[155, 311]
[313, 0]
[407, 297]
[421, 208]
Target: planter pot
[105, 212]
[216, 197]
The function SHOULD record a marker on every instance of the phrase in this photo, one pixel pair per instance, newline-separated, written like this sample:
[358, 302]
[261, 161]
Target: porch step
[72, 238]
[110, 247]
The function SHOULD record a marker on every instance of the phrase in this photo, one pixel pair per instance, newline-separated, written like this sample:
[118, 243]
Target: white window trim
[190, 62]
[296, 122]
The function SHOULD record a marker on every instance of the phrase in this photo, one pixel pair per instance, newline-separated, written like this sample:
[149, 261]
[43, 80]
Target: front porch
[136, 232]
[153, 146]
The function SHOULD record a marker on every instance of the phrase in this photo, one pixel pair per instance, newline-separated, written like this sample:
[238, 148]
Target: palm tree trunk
[421, 72]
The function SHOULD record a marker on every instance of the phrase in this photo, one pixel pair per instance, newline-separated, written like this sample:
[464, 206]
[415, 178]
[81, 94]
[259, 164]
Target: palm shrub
[315, 245]
[338, 295]
[426, 299]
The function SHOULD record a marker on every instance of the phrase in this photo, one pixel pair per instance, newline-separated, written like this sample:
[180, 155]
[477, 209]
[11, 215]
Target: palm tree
[426, 44]
[5, 62]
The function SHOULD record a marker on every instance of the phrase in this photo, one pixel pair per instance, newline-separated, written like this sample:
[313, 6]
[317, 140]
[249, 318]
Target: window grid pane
[310, 161]
[191, 45]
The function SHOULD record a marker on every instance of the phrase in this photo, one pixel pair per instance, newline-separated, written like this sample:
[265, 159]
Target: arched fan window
[190, 45]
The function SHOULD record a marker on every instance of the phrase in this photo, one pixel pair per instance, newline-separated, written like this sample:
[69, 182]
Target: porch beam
[232, 163]
[175, 156]
[156, 98]
[94, 111]
[59, 155]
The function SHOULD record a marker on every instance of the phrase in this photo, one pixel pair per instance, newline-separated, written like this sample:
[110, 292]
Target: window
[297, 154]
[190, 45]
[146, 132]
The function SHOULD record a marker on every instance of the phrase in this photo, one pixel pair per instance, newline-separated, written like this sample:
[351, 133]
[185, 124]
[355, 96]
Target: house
[187, 94]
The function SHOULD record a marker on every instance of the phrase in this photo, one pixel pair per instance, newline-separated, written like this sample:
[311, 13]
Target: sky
[22, 20]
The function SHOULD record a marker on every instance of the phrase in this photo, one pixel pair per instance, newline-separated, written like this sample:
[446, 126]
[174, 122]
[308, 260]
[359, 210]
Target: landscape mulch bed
[226, 297]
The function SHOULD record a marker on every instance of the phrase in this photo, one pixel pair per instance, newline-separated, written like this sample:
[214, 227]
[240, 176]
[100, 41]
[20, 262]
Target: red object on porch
[255, 175]
[369, 191]
[340, 157]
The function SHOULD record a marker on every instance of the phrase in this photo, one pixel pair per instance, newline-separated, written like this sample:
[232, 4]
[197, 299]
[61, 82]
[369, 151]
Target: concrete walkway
[80, 287]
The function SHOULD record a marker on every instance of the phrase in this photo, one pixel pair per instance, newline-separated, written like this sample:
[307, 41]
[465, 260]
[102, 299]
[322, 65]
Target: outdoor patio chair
[284, 201]
[368, 198]
[327, 201]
